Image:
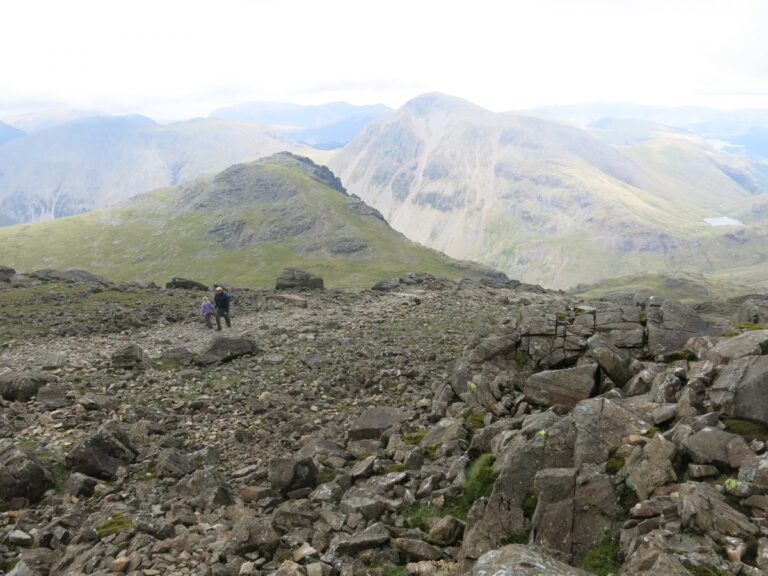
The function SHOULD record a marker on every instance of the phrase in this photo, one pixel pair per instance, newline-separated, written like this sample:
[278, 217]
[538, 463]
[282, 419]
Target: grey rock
[374, 536]
[173, 464]
[374, 422]
[130, 357]
[671, 324]
[754, 470]
[519, 560]
[416, 550]
[80, 485]
[702, 508]
[294, 514]
[752, 343]
[102, 453]
[286, 474]
[6, 273]
[23, 476]
[224, 349]
[739, 389]
[185, 284]
[601, 424]
[253, 535]
[615, 363]
[22, 385]
[446, 431]
[446, 531]
[565, 387]
[718, 447]
[553, 519]
[651, 466]
[204, 489]
[296, 278]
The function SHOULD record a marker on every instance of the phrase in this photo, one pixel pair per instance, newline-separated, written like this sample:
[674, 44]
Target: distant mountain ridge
[98, 161]
[553, 204]
[245, 224]
[324, 126]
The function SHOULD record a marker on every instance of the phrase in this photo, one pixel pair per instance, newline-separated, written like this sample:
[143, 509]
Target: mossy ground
[749, 429]
[116, 523]
[603, 559]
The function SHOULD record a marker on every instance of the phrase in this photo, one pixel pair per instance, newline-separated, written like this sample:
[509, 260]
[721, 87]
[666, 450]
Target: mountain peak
[439, 102]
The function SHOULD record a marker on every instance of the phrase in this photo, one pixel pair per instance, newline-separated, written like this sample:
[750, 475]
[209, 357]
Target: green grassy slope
[242, 227]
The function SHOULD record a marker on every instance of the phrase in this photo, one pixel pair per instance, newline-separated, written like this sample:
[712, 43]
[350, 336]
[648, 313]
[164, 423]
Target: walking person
[206, 310]
[221, 300]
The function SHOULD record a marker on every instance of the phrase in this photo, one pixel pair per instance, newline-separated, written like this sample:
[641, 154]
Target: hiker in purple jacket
[206, 309]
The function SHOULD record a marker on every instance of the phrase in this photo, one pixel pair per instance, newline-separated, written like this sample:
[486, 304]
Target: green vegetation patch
[614, 465]
[750, 326]
[393, 570]
[603, 559]
[481, 478]
[515, 538]
[413, 438]
[117, 523]
[704, 570]
[475, 421]
[529, 505]
[749, 429]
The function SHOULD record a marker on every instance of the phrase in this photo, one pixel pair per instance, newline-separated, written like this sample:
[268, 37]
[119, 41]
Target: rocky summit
[427, 426]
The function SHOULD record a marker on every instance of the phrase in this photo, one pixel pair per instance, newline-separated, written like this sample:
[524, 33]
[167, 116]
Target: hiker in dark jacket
[221, 299]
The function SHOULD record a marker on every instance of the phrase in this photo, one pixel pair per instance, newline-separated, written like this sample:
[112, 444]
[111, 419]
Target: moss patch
[603, 559]
[116, 523]
[413, 438]
[614, 465]
[749, 429]
[529, 505]
[480, 478]
[515, 538]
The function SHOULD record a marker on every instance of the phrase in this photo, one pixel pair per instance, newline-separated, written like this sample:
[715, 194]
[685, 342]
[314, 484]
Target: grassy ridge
[165, 233]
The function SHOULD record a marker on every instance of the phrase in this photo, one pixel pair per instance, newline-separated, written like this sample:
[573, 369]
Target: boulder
[714, 446]
[651, 466]
[553, 519]
[565, 387]
[615, 363]
[670, 325]
[704, 509]
[739, 389]
[22, 385]
[755, 471]
[253, 535]
[184, 284]
[601, 424]
[173, 464]
[374, 536]
[6, 273]
[224, 349]
[286, 474]
[519, 560]
[752, 343]
[71, 276]
[296, 278]
[130, 357]
[23, 476]
[102, 453]
[204, 489]
[374, 422]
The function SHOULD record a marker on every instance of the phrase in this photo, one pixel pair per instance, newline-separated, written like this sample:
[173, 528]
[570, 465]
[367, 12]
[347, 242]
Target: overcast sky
[172, 59]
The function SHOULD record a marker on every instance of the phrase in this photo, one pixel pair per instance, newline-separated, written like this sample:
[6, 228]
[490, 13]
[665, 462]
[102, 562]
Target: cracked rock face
[477, 427]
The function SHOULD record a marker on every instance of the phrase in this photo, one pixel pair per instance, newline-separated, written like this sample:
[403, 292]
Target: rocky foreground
[426, 427]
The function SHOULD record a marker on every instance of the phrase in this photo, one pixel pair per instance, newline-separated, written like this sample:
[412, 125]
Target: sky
[175, 59]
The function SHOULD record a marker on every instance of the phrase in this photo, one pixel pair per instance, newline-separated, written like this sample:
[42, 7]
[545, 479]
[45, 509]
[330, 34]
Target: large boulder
[6, 273]
[287, 474]
[102, 453]
[670, 325]
[130, 357]
[753, 343]
[185, 284]
[651, 466]
[705, 510]
[296, 278]
[739, 389]
[618, 365]
[565, 387]
[23, 476]
[718, 447]
[224, 349]
[22, 385]
[374, 422]
[519, 560]
[553, 519]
